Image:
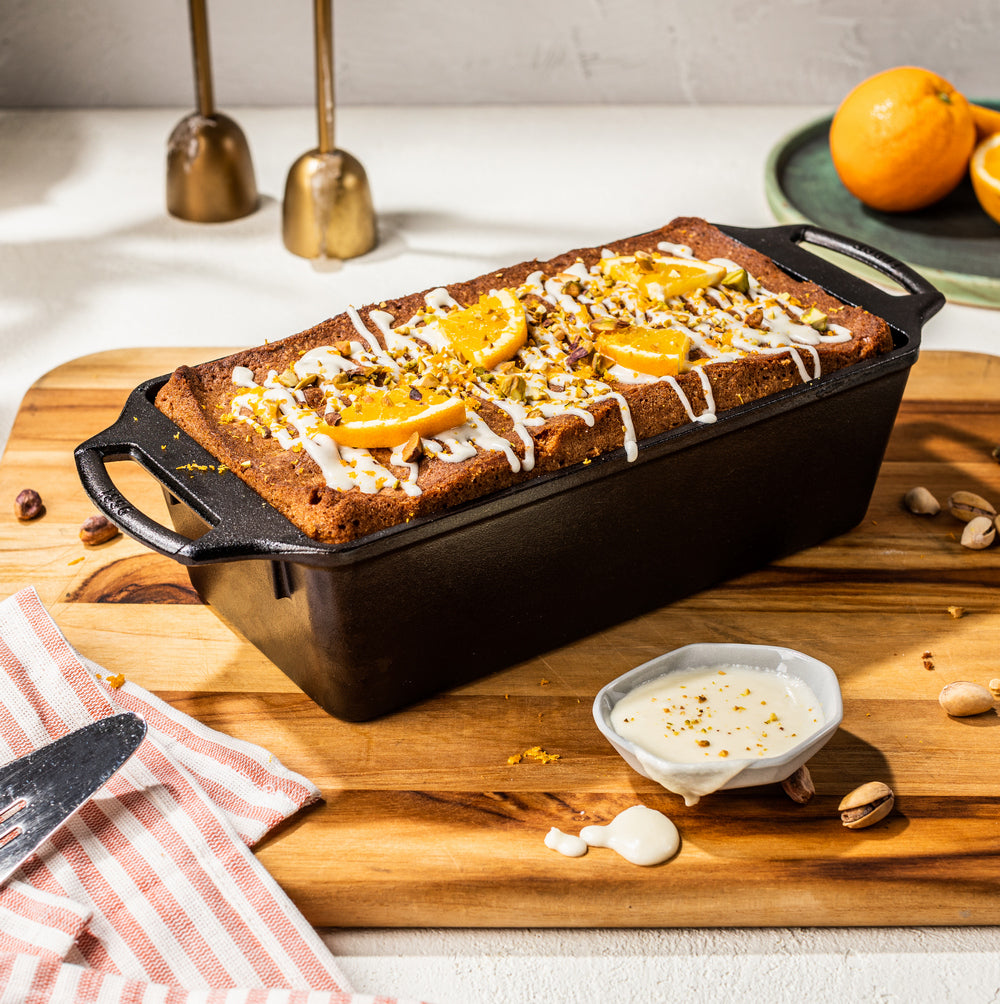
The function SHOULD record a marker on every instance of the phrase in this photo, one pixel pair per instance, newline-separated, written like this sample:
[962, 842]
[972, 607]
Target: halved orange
[984, 169]
[388, 417]
[987, 121]
[489, 332]
[660, 278]
[655, 351]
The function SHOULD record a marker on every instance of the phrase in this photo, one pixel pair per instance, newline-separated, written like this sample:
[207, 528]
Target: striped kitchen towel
[150, 892]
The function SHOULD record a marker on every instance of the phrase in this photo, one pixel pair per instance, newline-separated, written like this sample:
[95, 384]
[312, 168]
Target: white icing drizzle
[394, 341]
[817, 365]
[370, 341]
[369, 475]
[518, 416]
[440, 299]
[554, 294]
[776, 350]
[681, 396]
[677, 250]
[243, 376]
[622, 374]
[557, 408]
[409, 483]
[323, 361]
[328, 458]
[708, 416]
[535, 283]
[452, 446]
[461, 442]
[432, 335]
[630, 444]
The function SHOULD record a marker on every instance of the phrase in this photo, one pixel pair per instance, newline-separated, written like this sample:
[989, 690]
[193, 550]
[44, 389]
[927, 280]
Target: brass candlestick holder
[327, 212]
[210, 176]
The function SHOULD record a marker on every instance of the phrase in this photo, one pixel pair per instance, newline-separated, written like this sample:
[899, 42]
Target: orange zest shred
[534, 753]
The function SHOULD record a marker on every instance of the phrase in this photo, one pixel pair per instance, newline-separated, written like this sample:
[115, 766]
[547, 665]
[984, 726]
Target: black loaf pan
[371, 626]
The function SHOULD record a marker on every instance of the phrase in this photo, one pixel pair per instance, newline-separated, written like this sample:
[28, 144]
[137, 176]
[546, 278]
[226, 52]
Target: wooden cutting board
[424, 822]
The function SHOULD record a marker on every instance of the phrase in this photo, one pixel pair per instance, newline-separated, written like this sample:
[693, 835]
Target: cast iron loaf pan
[374, 625]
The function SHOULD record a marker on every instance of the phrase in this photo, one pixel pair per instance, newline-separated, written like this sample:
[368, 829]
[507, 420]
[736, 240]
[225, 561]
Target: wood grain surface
[423, 821]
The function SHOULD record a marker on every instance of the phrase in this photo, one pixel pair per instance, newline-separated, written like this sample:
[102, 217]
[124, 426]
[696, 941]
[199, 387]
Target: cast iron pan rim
[274, 536]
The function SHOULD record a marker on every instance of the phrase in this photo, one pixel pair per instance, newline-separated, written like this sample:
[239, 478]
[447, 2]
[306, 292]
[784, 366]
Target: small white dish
[689, 779]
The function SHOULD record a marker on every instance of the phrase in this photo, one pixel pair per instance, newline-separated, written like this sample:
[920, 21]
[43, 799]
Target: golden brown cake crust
[195, 398]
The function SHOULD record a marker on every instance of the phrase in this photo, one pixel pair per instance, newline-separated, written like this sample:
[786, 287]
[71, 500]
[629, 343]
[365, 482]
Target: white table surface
[89, 260]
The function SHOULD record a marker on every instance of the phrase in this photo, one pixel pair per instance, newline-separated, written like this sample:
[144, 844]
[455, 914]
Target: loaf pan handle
[907, 312]
[242, 525]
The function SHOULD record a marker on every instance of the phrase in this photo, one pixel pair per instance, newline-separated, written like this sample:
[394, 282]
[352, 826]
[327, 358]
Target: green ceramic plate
[953, 243]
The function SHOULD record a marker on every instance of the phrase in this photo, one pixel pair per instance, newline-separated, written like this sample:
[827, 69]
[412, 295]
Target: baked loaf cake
[404, 409]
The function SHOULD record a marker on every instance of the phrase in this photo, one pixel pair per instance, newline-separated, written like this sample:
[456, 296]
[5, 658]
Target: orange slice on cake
[654, 351]
[677, 276]
[489, 332]
[659, 278]
[388, 417]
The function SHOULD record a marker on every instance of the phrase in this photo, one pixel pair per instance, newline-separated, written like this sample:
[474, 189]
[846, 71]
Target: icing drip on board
[639, 834]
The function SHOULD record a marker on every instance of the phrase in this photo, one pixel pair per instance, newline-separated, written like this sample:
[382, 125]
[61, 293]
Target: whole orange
[902, 139]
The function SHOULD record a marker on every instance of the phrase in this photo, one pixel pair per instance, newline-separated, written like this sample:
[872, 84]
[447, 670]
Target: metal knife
[40, 791]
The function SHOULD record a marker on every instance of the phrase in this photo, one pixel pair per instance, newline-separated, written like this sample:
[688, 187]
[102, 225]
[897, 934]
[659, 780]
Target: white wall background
[127, 53]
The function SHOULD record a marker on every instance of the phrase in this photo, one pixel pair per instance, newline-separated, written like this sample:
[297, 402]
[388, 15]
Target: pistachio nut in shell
[978, 534]
[799, 786]
[920, 501]
[969, 505]
[961, 699]
[866, 805]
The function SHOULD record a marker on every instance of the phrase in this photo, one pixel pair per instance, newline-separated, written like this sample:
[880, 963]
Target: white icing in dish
[695, 729]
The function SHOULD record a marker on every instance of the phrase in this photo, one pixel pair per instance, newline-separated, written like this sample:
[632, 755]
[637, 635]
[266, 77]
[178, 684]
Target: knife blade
[40, 791]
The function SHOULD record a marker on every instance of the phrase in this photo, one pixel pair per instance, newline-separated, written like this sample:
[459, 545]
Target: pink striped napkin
[150, 892]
